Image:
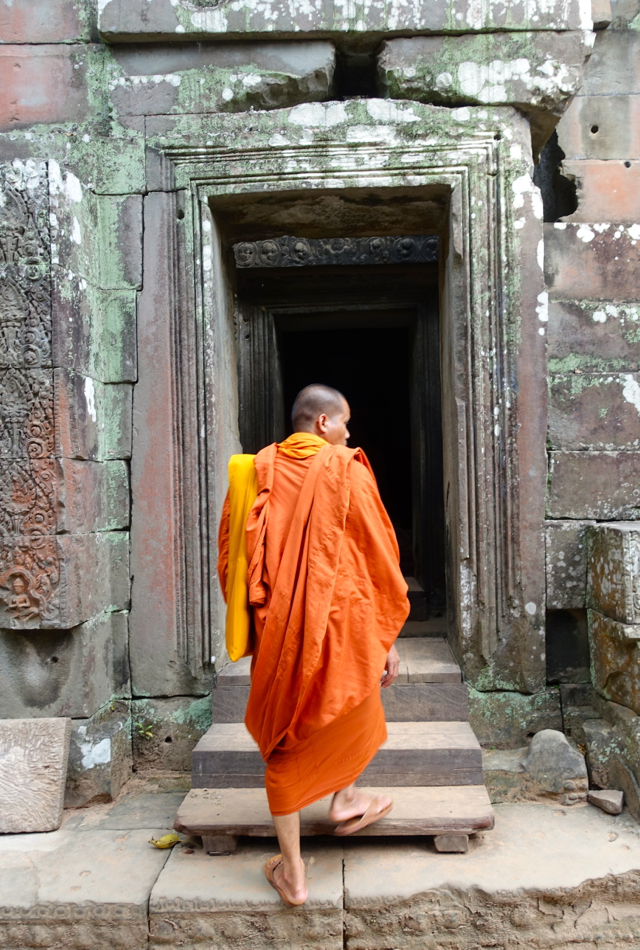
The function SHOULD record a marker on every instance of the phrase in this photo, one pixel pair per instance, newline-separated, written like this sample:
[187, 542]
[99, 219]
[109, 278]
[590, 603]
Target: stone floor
[544, 877]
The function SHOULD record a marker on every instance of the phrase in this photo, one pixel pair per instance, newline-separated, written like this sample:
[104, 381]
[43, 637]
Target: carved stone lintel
[312, 252]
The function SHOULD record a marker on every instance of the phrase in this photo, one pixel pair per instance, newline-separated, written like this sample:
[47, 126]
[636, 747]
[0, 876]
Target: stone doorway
[359, 169]
[371, 330]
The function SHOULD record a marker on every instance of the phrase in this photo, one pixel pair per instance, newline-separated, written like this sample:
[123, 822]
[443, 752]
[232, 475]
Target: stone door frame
[493, 317]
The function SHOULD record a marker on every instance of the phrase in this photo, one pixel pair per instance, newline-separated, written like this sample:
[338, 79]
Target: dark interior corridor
[371, 366]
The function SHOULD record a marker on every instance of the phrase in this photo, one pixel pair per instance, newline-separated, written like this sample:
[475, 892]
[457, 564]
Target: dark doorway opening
[371, 367]
[373, 333]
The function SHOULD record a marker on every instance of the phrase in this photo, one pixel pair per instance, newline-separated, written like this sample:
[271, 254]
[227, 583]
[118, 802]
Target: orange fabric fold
[301, 445]
[328, 600]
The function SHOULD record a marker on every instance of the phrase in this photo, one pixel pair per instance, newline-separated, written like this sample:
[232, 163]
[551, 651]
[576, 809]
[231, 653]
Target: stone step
[429, 686]
[212, 812]
[433, 627]
[415, 753]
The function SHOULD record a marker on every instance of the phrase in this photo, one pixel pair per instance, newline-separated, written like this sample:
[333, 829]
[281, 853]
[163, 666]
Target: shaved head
[314, 401]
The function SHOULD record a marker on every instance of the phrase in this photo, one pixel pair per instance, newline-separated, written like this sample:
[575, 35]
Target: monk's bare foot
[351, 803]
[291, 882]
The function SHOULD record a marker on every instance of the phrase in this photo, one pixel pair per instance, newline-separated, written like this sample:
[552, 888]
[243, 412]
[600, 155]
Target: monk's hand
[392, 669]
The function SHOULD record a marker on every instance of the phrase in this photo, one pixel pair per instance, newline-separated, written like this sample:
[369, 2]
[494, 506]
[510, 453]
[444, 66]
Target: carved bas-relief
[298, 252]
[327, 172]
[29, 559]
[33, 768]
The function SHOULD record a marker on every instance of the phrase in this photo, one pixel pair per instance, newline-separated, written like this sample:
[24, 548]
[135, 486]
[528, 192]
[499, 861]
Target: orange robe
[328, 600]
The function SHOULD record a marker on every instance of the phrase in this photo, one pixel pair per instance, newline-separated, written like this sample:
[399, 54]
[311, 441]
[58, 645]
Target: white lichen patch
[381, 110]
[68, 187]
[542, 308]
[318, 115]
[90, 397]
[523, 186]
[585, 233]
[631, 391]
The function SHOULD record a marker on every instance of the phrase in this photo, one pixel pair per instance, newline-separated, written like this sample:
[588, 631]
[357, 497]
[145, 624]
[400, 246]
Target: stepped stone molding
[494, 395]
[311, 252]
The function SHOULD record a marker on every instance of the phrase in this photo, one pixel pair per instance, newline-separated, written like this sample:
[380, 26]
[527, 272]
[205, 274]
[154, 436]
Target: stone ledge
[543, 877]
[537, 72]
[132, 20]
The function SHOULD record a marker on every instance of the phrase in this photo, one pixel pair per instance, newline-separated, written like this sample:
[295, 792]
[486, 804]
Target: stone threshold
[545, 876]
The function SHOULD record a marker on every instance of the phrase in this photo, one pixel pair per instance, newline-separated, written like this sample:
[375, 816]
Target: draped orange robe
[328, 600]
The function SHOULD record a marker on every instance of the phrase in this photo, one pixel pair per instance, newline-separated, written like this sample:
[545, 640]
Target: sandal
[371, 815]
[269, 868]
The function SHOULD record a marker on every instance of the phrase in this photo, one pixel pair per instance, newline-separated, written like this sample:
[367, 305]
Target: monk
[327, 601]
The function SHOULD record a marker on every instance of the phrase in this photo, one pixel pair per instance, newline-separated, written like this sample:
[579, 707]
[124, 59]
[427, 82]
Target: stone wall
[99, 105]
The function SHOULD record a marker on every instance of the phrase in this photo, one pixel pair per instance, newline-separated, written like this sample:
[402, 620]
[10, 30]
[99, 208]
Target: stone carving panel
[33, 768]
[310, 252]
[29, 568]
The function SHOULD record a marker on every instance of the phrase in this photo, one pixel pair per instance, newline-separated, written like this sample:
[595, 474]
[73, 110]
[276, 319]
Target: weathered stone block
[594, 411]
[93, 421]
[534, 71]
[567, 646]
[600, 485]
[614, 67]
[96, 237]
[100, 757]
[549, 770]
[227, 902]
[609, 801]
[606, 191]
[64, 672]
[165, 731]
[92, 496]
[615, 659]
[626, 779]
[613, 585]
[57, 21]
[602, 127]
[139, 19]
[624, 14]
[94, 331]
[578, 706]
[593, 337]
[64, 579]
[556, 768]
[601, 13]
[46, 83]
[506, 720]
[149, 80]
[566, 563]
[82, 889]
[592, 262]
[33, 770]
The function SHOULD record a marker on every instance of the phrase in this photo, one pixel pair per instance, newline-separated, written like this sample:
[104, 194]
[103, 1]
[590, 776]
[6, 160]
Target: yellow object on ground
[167, 841]
[243, 491]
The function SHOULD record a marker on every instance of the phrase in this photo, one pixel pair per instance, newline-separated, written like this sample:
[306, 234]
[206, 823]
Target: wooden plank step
[415, 753]
[417, 811]
[426, 702]
[429, 686]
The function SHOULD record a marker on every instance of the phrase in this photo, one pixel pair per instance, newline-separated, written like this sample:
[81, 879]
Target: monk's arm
[392, 668]
[223, 546]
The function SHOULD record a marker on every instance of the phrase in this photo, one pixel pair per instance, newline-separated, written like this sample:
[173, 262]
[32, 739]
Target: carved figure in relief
[20, 599]
[29, 558]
